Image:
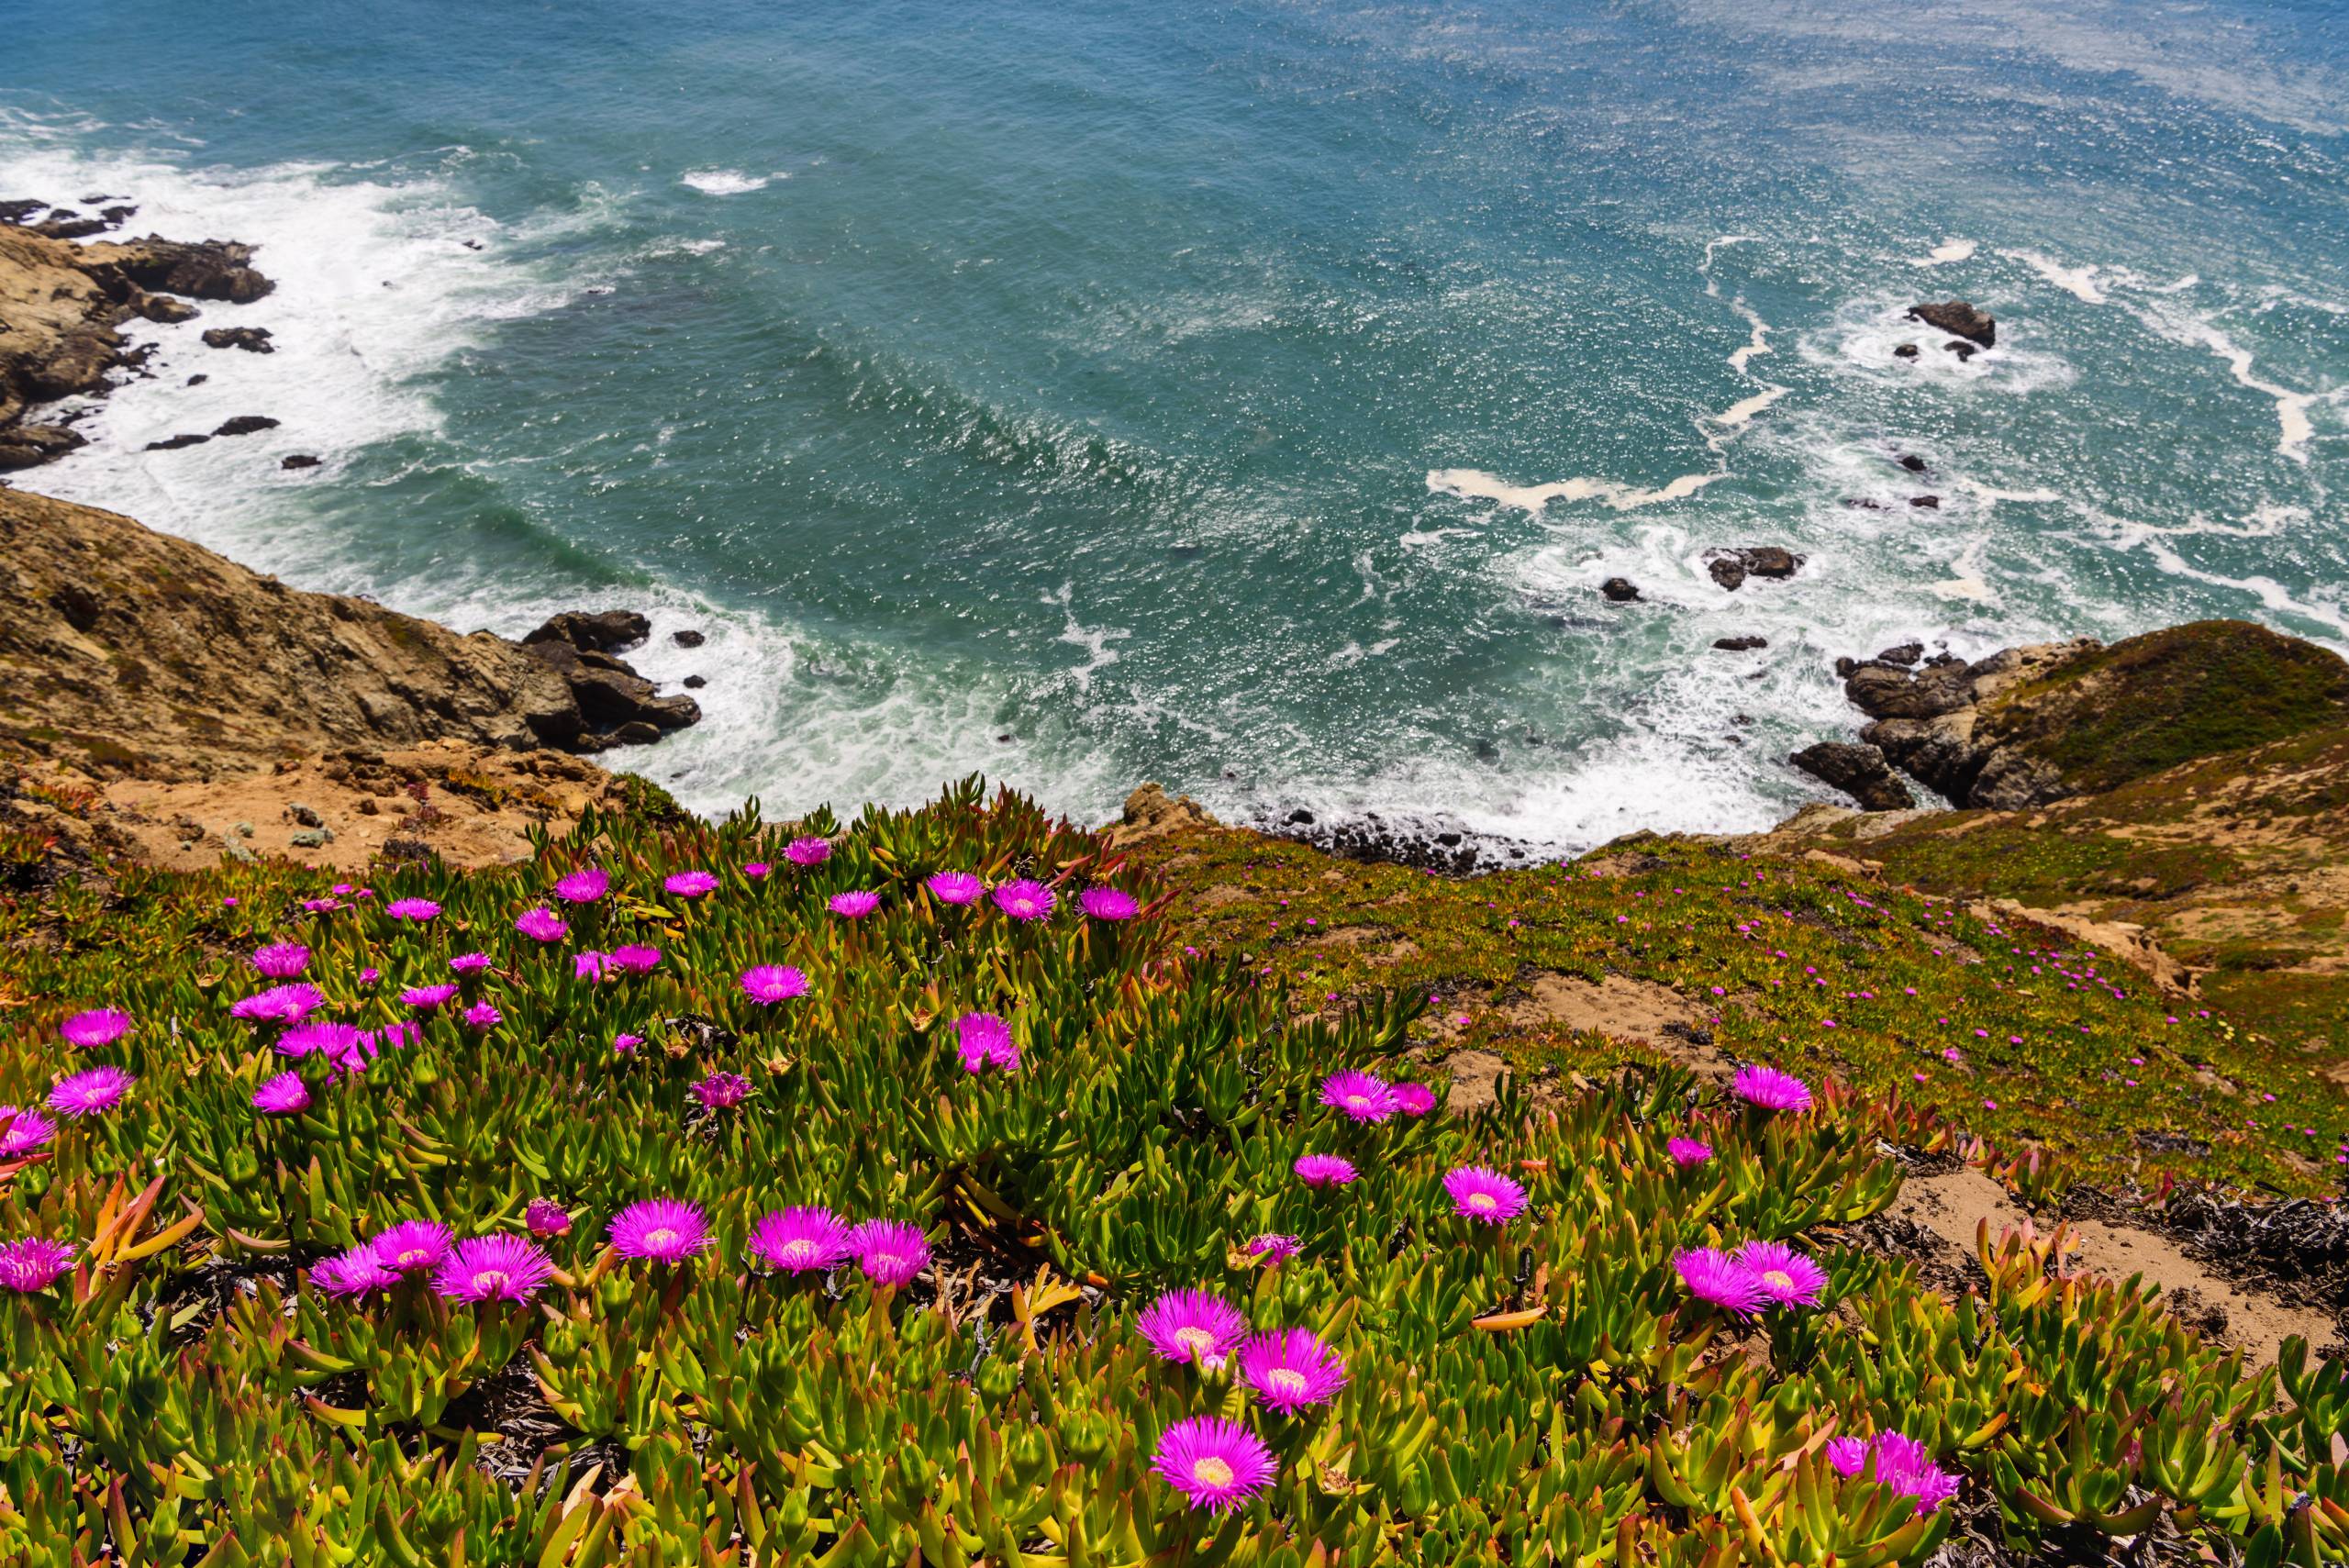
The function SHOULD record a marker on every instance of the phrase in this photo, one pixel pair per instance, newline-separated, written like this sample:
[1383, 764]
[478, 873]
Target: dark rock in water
[16, 210]
[1845, 667]
[1300, 817]
[174, 443]
[1732, 567]
[198, 379]
[1906, 653]
[1728, 571]
[1905, 352]
[1927, 503]
[114, 214]
[1619, 590]
[203, 269]
[252, 339]
[611, 695]
[244, 424]
[1741, 644]
[1963, 352]
[694, 683]
[688, 637]
[297, 460]
[1859, 771]
[29, 446]
[600, 631]
[1913, 463]
[636, 732]
[1888, 692]
[1937, 752]
[1959, 319]
[163, 308]
[1862, 504]
[58, 227]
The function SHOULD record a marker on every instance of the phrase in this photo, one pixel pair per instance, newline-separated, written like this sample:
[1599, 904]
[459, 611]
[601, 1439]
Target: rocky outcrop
[125, 652]
[1859, 771]
[1924, 720]
[1619, 590]
[1731, 568]
[593, 632]
[1959, 319]
[252, 340]
[619, 707]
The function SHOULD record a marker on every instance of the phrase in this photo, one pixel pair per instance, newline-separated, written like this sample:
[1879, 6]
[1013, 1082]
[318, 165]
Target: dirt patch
[1222, 894]
[1475, 1079]
[1625, 1009]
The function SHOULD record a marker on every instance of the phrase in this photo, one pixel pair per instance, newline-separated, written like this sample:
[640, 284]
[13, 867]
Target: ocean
[1250, 397]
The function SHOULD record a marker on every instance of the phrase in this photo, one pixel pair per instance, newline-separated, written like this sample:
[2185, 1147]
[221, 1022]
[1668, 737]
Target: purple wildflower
[757, 871]
[626, 1044]
[1771, 1089]
[22, 1132]
[889, 1251]
[424, 999]
[414, 1246]
[1686, 1152]
[88, 1093]
[99, 1026]
[1218, 1465]
[1193, 1325]
[1025, 900]
[416, 909]
[721, 1090]
[279, 1005]
[281, 961]
[1712, 1275]
[1324, 1170]
[768, 984]
[983, 1039]
[494, 1268]
[1108, 904]
[661, 1228]
[591, 966]
[319, 1036]
[1361, 1096]
[283, 1095]
[801, 1240]
[470, 963]
[954, 887]
[584, 885]
[808, 852]
[1783, 1274]
[690, 884]
[320, 906]
[541, 925]
[854, 906]
[635, 958]
[33, 1263]
[1291, 1368]
[1414, 1099]
[545, 1217]
[1901, 1462]
[484, 1016]
[1488, 1196]
[354, 1272]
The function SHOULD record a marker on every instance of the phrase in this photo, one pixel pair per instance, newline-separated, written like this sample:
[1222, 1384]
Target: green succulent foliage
[1542, 1391]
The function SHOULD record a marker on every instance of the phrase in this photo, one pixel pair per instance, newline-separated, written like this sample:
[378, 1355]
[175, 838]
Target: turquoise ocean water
[1246, 397]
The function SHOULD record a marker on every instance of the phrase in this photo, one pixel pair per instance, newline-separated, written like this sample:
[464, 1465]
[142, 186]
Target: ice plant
[419, 910]
[88, 1093]
[1194, 1326]
[1273, 1247]
[757, 871]
[483, 1016]
[470, 963]
[1898, 1462]
[1360, 1096]
[584, 885]
[1686, 1152]
[1771, 1089]
[690, 884]
[591, 966]
[279, 1005]
[722, 1089]
[635, 958]
[954, 887]
[854, 906]
[889, 1251]
[663, 1229]
[1414, 1099]
[768, 984]
[355, 1272]
[1483, 1194]
[494, 1268]
[1108, 904]
[1712, 1275]
[22, 1132]
[1784, 1275]
[1024, 900]
[1324, 1170]
[808, 852]
[1217, 1464]
[541, 925]
[1291, 1369]
[99, 1026]
[424, 999]
[281, 961]
[801, 1240]
[283, 1095]
[319, 1036]
[983, 1040]
[414, 1246]
[545, 1217]
[33, 1263]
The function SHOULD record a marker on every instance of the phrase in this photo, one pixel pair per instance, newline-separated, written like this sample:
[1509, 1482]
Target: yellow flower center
[660, 1240]
[1778, 1279]
[1211, 1471]
[1198, 1342]
[1483, 1201]
[491, 1281]
[1361, 1101]
[792, 1252]
[1284, 1380]
[411, 1257]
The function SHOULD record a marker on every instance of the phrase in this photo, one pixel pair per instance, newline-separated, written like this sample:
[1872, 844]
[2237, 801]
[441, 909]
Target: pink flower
[33, 1263]
[283, 1095]
[319, 1036]
[1360, 1096]
[279, 1005]
[281, 961]
[470, 963]
[854, 906]
[1686, 1152]
[591, 966]
[541, 925]
[770, 983]
[983, 1039]
[1024, 899]
[1414, 1099]
[484, 1017]
[1483, 1195]
[808, 852]
[626, 1044]
[1324, 1170]
[23, 1131]
[414, 1246]
[355, 1272]
[584, 885]
[954, 887]
[1273, 1247]
[801, 1240]
[1712, 1275]
[1783, 1274]
[545, 1219]
[635, 958]
[663, 1229]
[425, 998]
[1291, 1369]
[1896, 1460]
[721, 1090]
[1218, 1465]
[1193, 1325]
[757, 871]
[889, 1252]
[690, 884]
[1108, 904]
[88, 1093]
[416, 909]
[100, 1026]
[494, 1268]
[1771, 1089]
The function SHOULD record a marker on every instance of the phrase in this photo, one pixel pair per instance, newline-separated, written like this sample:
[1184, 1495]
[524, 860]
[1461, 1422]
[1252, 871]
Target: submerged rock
[245, 425]
[1619, 590]
[1959, 319]
[1731, 568]
[1741, 644]
[252, 339]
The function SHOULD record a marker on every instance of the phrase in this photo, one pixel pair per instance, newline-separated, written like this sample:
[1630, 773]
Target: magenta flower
[281, 961]
[23, 1131]
[889, 1251]
[757, 871]
[100, 1026]
[1108, 904]
[416, 909]
[1218, 1465]
[1898, 1462]
[88, 1093]
[403, 1033]
[721, 1090]
[661, 1228]
[635, 958]
[1360, 1096]
[626, 1044]
[319, 1036]
[1771, 1089]
[1274, 1247]
[1488, 1196]
[1414, 1099]
[771, 983]
[279, 1005]
[320, 906]
[801, 1240]
[1025, 900]
[494, 1268]
[1783, 1274]
[1291, 1368]
[1686, 1152]
[283, 1095]
[854, 906]
[1193, 1325]
[808, 852]
[353, 1273]
[424, 999]
[954, 887]
[483, 1016]
[541, 925]
[584, 885]
[368, 976]
[470, 963]
[1324, 1170]
[1712, 1275]
[33, 1263]
[690, 884]
[983, 1039]
[545, 1219]
[414, 1246]
[591, 966]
